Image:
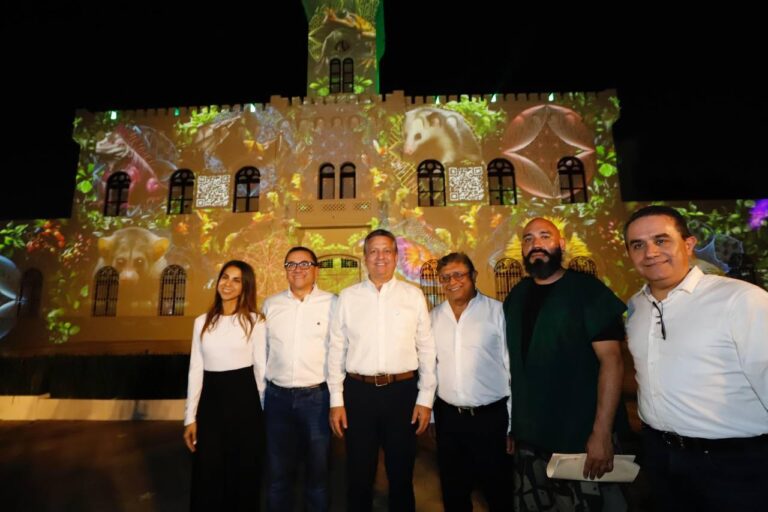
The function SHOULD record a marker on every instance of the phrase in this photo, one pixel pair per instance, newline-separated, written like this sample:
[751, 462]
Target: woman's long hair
[246, 311]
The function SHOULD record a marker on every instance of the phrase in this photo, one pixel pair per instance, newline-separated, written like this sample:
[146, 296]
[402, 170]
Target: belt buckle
[387, 380]
[673, 440]
[470, 410]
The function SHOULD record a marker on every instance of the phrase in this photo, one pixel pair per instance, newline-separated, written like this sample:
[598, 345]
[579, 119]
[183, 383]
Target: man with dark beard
[563, 332]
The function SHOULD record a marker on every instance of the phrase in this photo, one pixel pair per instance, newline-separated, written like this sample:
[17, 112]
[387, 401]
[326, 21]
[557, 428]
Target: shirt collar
[290, 295]
[688, 284]
[385, 287]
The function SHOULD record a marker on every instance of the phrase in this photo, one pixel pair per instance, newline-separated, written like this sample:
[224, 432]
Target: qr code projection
[466, 184]
[213, 191]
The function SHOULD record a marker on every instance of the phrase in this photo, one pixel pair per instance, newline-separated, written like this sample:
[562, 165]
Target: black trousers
[380, 417]
[471, 448]
[711, 477]
[226, 467]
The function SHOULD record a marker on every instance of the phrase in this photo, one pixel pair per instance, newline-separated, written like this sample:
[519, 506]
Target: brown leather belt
[382, 379]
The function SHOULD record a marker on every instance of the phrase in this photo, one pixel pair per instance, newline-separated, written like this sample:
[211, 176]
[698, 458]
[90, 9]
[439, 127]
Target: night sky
[693, 122]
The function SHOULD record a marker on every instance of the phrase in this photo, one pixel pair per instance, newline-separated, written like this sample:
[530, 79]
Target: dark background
[693, 107]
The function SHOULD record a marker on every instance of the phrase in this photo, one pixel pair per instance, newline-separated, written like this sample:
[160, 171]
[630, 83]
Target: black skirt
[226, 467]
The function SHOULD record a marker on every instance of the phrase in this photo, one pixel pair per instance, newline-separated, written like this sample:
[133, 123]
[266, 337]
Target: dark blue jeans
[297, 429]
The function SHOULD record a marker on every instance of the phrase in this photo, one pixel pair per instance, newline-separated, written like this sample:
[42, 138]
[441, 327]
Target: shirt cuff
[337, 399]
[426, 398]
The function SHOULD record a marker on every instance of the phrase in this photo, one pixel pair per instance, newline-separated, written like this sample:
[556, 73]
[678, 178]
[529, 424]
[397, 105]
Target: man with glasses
[700, 347]
[472, 405]
[563, 330]
[296, 400]
[381, 374]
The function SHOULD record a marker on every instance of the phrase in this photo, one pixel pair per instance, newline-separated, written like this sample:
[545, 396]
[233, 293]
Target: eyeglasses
[458, 276]
[660, 308]
[302, 265]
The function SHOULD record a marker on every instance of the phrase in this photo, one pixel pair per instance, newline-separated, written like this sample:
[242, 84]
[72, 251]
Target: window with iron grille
[431, 183]
[506, 273]
[348, 76]
[105, 292]
[326, 182]
[247, 185]
[348, 179]
[430, 285]
[116, 201]
[30, 293]
[573, 183]
[334, 80]
[584, 265]
[502, 188]
[180, 192]
[173, 282]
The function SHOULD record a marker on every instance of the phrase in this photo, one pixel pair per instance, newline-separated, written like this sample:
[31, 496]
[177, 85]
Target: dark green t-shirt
[554, 390]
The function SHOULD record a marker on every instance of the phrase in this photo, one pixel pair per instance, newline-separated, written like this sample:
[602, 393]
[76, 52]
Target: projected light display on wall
[192, 188]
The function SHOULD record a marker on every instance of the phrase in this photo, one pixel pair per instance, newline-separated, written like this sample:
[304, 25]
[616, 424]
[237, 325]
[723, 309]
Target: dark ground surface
[143, 466]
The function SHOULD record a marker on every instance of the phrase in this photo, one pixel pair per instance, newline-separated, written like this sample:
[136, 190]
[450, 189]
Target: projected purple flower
[758, 214]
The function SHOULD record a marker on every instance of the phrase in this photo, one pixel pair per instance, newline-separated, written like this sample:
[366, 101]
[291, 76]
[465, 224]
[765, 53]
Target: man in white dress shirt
[297, 400]
[472, 407]
[700, 346]
[381, 375]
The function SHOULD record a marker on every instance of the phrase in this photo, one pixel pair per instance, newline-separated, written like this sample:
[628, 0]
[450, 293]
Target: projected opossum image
[443, 135]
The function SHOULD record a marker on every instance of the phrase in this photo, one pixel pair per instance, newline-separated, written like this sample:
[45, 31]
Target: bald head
[541, 225]
[542, 250]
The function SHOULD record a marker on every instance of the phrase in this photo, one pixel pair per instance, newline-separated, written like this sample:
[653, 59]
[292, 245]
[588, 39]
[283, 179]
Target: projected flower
[758, 214]
[412, 256]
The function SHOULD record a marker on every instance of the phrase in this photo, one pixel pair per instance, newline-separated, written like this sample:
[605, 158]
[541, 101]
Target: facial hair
[543, 269]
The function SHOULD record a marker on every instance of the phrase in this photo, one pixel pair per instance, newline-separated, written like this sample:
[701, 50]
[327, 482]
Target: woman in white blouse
[223, 420]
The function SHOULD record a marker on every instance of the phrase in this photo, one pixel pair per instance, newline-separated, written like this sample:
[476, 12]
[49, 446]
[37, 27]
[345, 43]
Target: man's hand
[337, 417]
[599, 455]
[421, 415]
[190, 436]
[510, 445]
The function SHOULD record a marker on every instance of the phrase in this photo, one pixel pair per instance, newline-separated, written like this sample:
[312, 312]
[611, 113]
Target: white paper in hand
[570, 466]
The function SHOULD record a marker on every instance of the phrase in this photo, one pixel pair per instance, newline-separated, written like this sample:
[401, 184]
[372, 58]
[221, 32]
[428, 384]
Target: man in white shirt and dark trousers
[381, 375]
[472, 407]
[297, 400]
[700, 346]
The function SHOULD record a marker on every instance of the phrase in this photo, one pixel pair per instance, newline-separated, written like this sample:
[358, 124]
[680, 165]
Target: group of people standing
[539, 374]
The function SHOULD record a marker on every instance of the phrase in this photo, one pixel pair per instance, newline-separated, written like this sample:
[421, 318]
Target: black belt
[322, 385]
[701, 444]
[472, 411]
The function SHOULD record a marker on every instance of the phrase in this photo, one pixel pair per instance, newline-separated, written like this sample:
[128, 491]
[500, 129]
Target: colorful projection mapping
[164, 197]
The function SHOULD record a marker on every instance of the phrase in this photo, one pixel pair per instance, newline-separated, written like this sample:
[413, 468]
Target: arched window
[326, 182]
[584, 265]
[431, 175]
[116, 201]
[105, 292]
[337, 271]
[348, 76]
[30, 293]
[173, 283]
[348, 181]
[507, 273]
[501, 182]
[430, 285]
[573, 183]
[247, 181]
[180, 193]
[334, 80]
